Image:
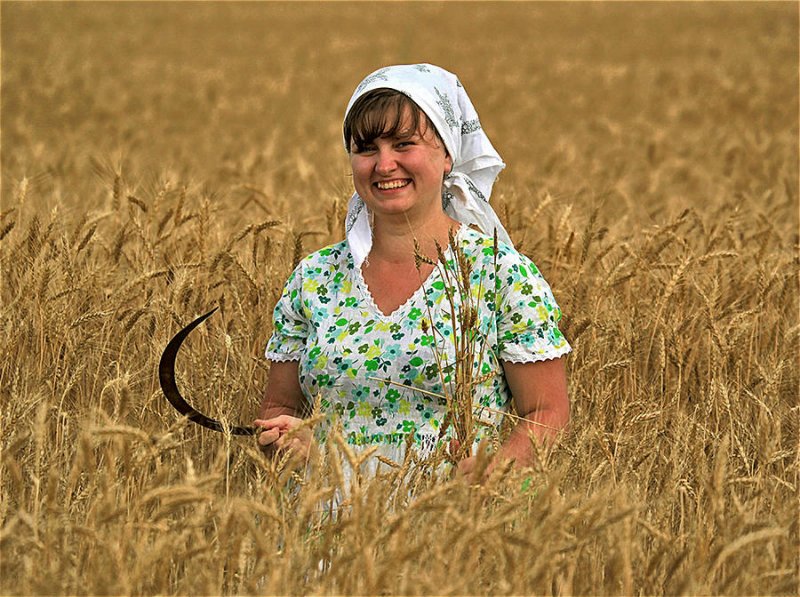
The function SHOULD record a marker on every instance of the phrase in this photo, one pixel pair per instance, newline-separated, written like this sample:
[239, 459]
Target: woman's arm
[283, 395]
[283, 405]
[540, 396]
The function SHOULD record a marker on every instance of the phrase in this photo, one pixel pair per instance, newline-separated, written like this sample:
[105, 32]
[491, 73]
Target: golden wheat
[653, 168]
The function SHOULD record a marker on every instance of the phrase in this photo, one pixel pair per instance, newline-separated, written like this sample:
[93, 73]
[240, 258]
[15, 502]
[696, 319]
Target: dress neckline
[415, 297]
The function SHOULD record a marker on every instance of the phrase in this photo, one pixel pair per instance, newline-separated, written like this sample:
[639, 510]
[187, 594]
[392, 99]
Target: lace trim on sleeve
[514, 353]
[277, 357]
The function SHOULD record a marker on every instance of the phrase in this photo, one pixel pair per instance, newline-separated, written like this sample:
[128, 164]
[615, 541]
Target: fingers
[291, 443]
[270, 436]
[282, 422]
[466, 466]
[274, 428]
[277, 435]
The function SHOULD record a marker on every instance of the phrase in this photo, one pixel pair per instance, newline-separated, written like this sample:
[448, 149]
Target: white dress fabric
[349, 351]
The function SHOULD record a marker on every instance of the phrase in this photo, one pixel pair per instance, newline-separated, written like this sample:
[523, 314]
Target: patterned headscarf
[476, 164]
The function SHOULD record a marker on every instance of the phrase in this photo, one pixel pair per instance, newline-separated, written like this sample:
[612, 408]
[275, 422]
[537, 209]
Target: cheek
[438, 166]
[358, 167]
[361, 172]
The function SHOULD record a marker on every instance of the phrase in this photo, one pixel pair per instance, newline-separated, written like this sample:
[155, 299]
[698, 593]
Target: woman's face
[401, 174]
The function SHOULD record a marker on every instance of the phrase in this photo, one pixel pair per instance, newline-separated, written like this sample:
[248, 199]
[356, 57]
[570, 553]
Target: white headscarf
[476, 164]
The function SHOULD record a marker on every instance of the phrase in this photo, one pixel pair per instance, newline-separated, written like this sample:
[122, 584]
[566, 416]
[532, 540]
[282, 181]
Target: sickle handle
[166, 375]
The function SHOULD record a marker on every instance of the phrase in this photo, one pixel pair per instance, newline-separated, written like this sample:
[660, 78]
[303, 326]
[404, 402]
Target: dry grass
[159, 160]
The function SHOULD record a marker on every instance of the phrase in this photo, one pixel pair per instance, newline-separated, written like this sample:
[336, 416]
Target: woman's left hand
[468, 467]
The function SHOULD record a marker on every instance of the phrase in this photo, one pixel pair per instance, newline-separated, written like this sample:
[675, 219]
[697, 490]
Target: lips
[389, 185]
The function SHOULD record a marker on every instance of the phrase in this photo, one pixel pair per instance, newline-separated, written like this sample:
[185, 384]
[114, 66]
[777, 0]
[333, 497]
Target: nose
[385, 162]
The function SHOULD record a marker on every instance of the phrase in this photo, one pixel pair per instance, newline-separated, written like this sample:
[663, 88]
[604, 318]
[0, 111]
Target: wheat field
[160, 159]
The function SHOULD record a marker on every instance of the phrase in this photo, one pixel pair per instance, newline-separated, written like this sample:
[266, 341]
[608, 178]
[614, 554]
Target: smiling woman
[381, 346]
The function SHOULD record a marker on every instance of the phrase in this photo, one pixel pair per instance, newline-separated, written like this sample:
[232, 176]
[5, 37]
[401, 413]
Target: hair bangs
[380, 113]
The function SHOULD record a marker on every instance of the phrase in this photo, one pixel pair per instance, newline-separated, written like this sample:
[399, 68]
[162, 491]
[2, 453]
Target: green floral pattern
[348, 349]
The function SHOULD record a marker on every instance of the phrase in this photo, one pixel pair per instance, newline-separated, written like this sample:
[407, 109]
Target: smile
[392, 184]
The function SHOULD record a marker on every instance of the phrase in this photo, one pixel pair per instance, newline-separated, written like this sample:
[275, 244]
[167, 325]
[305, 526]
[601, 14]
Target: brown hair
[369, 118]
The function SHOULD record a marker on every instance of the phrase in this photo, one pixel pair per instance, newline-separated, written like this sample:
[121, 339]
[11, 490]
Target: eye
[366, 148]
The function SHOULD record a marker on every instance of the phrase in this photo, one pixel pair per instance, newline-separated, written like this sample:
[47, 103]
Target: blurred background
[576, 97]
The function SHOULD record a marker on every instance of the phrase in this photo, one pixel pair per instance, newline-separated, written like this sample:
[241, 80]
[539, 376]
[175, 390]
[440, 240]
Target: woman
[355, 324]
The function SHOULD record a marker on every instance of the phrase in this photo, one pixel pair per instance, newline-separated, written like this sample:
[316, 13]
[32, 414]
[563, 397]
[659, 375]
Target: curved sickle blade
[166, 374]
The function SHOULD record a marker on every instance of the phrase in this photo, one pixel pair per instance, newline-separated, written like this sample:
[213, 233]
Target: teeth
[395, 184]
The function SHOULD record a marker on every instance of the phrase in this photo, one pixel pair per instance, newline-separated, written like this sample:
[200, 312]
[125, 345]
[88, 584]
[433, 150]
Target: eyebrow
[401, 134]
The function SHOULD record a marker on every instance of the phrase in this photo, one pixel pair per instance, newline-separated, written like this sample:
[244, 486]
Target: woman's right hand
[283, 401]
[275, 436]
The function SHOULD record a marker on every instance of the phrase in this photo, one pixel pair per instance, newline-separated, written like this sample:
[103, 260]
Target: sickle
[166, 374]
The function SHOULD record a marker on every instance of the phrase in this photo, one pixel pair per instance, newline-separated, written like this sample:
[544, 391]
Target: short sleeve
[290, 322]
[527, 313]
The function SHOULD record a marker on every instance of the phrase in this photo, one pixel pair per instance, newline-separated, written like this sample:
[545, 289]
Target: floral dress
[383, 376]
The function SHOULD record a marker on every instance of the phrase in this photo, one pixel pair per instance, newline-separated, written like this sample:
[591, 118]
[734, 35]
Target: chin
[391, 205]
